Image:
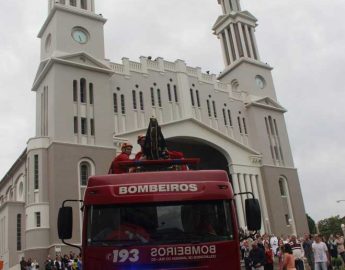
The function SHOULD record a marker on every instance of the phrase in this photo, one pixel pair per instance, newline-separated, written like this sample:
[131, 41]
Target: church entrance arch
[210, 157]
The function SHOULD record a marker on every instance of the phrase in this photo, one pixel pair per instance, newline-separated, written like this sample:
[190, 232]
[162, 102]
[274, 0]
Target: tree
[311, 225]
[331, 225]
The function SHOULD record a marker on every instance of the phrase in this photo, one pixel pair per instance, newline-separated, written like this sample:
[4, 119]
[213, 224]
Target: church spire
[229, 6]
[235, 29]
[88, 5]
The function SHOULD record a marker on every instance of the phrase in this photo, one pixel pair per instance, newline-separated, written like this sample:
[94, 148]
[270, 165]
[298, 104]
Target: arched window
[141, 99]
[83, 91]
[224, 116]
[197, 98]
[175, 93]
[159, 97]
[85, 172]
[123, 105]
[192, 97]
[169, 92]
[282, 188]
[208, 108]
[91, 92]
[75, 91]
[19, 232]
[116, 108]
[152, 97]
[134, 96]
[73, 3]
[214, 109]
[234, 85]
[83, 4]
[230, 118]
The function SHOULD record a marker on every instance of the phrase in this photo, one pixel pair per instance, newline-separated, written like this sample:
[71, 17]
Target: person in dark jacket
[257, 257]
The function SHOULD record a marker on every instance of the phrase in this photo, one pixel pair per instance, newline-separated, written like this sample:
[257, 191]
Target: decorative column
[228, 42]
[233, 36]
[255, 44]
[222, 42]
[239, 207]
[250, 45]
[244, 47]
[248, 183]
[243, 189]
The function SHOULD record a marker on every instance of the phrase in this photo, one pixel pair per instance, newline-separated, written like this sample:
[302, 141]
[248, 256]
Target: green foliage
[311, 225]
[331, 225]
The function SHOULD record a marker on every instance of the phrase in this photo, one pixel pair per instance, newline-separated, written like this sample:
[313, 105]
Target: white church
[87, 106]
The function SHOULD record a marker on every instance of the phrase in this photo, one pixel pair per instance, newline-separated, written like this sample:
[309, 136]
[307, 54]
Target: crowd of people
[65, 262]
[311, 252]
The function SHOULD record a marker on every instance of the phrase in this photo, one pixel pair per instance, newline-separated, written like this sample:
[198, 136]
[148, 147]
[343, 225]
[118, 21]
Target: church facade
[86, 107]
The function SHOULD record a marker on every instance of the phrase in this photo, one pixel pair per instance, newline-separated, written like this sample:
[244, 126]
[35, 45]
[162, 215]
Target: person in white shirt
[321, 255]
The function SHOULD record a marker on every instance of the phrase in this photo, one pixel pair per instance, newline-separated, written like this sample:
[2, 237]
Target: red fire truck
[160, 219]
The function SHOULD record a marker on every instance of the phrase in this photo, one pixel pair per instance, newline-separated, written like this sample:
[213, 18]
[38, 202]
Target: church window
[62, 2]
[231, 7]
[116, 108]
[192, 97]
[208, 108]
[214, 109]
[83, 4]
[159, 97]
[175, 93]
[239, 124]
[230, 119]
[92, 127]
[169, 92]
[224, 116]
[244, 126]
[134, 96]
[75, 124]
[83, 91]
[83, 126]
[152, 97]
[36, 172]
[123, 105]
[91, 92]
[38, 219]
[75, 91]
[84, 173]
[197, 98]
[73, 3]
[141, 99]
[287, 220]
[19, 232]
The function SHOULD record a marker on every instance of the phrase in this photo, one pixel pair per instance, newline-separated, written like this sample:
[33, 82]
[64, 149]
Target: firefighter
[126, 150]
[141, 141]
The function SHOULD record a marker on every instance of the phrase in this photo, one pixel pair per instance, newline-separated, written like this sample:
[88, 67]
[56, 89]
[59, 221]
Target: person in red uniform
[126, 150]
[141, 142]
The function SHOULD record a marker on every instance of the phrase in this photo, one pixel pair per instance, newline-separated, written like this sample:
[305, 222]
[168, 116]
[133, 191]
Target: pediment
[83, 59]
[80, 60]
[267, 103]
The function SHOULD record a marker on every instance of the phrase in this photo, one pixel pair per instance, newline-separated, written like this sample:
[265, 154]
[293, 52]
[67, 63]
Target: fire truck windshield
[162, 223]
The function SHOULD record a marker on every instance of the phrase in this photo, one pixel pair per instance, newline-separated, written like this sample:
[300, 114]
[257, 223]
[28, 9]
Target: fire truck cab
[160, 220]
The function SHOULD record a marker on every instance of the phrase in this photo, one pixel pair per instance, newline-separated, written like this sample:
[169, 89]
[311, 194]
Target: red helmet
[141, 137]
[126, 145]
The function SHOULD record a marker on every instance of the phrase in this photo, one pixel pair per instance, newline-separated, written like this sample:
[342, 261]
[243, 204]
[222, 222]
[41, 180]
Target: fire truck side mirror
[65, 222]
[253, 214]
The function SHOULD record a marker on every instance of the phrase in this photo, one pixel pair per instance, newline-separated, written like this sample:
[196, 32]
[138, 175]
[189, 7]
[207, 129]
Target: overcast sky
[303, 41]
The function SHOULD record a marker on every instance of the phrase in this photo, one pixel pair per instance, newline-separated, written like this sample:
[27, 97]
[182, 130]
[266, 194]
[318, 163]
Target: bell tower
[87, 5]
[243, 69]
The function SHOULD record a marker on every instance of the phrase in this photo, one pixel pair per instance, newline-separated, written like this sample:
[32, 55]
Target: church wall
[64, 183]
[245, 74]
[276, 203]
[100, 111]
[260, 138]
